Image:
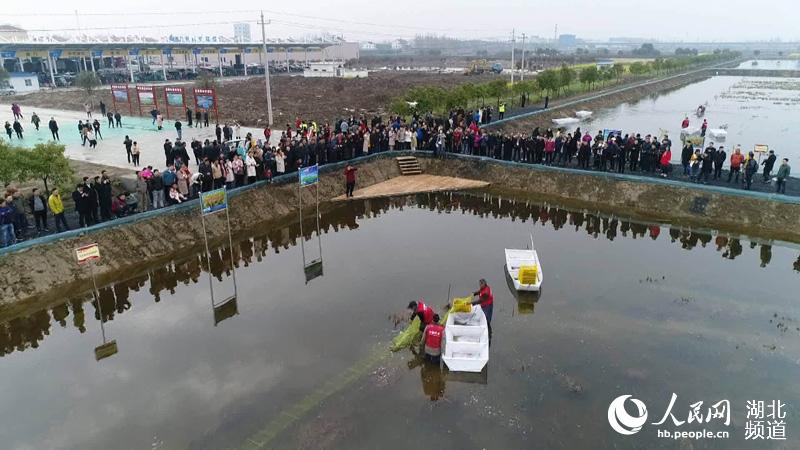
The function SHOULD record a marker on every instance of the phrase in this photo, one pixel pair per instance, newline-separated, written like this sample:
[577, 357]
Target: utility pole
[266, 70]
[513, 44]
[78, 22]
[522, 72]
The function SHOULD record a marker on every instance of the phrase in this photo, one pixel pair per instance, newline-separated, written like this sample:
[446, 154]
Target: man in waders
[486, 300]
[424, 312]
[432, 340]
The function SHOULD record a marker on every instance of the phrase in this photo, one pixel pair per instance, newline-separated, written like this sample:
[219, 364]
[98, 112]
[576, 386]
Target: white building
[23, 81]
[368, 46]
[241, 32]
[10, 33]
[327, 69]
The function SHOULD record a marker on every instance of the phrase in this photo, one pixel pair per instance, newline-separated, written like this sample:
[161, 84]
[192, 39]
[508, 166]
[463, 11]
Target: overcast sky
[684, 20]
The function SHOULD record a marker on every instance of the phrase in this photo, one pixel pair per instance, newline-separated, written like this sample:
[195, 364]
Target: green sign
[213, 201]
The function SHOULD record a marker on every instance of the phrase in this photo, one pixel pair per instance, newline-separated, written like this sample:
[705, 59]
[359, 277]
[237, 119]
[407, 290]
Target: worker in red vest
[432, 340]
[486, 300]
[424, 312]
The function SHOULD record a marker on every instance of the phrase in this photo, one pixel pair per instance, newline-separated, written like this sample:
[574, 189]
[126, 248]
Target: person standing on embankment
[350, 180]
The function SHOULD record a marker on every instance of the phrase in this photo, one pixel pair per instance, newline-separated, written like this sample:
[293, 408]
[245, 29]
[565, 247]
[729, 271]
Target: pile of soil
[244, 100]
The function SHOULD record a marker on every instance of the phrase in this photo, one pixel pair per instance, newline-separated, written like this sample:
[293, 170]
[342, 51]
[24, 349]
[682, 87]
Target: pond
[755, 110]
[627, 308]
[771, 64]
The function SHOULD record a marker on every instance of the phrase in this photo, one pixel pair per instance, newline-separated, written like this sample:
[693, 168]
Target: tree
[637, 68]
[566, 76]
[401, 107]
[618, 70]
[497, 89]
[589, 75]
[3, 76]
[9, 163]
[548, 80]
[87, 81]
[47, 163]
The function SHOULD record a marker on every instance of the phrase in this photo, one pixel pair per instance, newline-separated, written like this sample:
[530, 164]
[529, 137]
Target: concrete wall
[44, 270]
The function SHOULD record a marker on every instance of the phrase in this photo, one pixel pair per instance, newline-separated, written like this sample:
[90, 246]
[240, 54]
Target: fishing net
[408, 337]
[411, 335]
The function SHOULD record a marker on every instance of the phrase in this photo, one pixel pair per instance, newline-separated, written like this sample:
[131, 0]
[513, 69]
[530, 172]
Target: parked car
[6, 89]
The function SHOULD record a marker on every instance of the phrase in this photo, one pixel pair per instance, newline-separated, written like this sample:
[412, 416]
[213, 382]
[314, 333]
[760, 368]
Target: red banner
[119, 94]
[147, 97]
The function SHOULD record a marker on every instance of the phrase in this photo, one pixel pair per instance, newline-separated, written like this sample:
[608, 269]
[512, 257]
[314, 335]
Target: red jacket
[425, 312]
[666, 157]
[350, 175]
[485, 294]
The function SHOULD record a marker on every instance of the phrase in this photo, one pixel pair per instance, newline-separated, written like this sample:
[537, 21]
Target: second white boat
[524, 268]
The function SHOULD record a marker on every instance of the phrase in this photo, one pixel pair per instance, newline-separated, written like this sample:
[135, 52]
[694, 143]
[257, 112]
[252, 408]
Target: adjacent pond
[627, 308]
[756, 110]
[771, 64]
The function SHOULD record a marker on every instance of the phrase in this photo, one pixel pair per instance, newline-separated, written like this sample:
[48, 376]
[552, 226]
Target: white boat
[526, 261]
[566, 121]
[718, 133]
[466, 341]
[583, 114]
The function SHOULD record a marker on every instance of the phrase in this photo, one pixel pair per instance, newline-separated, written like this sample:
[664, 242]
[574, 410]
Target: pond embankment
[44, 273]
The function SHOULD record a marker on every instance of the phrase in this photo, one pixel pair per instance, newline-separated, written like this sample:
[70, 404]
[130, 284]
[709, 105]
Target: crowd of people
[232, 160]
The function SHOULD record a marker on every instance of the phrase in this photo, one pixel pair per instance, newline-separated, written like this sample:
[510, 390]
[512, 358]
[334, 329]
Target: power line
[137, 27]
[229, 12]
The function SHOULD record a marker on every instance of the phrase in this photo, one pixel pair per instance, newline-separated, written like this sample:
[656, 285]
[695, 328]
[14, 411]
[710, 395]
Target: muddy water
[628, 308]
[756, 110]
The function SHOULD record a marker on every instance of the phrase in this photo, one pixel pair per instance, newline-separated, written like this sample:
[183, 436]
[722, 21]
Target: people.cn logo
[621, 421]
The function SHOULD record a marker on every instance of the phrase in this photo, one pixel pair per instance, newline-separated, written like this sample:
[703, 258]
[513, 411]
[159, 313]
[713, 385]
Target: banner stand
[210, 203]
[87, 255]
[309, 176]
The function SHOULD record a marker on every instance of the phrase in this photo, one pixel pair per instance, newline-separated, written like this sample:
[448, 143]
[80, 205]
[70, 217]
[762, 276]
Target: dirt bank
[640, 200]
[545, 119]
[48, 272]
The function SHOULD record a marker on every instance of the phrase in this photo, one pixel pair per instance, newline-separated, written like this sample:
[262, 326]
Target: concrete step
[409, 165]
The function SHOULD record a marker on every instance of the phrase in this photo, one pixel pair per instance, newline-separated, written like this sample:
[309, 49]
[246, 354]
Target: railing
[337, 166]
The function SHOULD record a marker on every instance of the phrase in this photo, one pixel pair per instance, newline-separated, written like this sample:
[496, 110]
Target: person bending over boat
[432, 340]
[486, 300]
[424, 312]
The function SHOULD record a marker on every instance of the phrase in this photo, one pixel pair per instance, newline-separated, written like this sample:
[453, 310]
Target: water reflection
[20, 333]
[431, 376]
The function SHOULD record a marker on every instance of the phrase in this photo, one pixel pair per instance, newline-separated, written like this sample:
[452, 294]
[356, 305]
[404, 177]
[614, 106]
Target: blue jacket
[6, 215]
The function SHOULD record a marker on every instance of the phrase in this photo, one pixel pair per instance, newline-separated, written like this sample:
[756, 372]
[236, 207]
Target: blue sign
[309, 175]
[97, 53]
[8, 54]
[133, 52]
[270, 49]
[197, 51]
[166, 51]
[55, 54]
